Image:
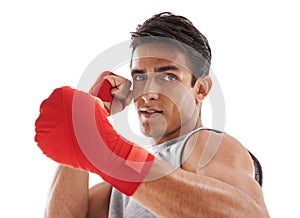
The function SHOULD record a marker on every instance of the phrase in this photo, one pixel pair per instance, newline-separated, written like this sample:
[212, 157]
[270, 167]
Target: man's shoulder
[224, 158]
[207, 147]
[238, 153]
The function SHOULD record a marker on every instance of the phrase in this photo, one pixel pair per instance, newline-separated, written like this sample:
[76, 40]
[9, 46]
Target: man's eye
[139, 77]
[170, 77]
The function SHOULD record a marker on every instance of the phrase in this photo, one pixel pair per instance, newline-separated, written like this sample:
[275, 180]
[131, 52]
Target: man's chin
[155, 135]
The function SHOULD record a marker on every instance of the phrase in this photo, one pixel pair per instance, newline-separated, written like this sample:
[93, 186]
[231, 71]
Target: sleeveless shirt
[171, 152]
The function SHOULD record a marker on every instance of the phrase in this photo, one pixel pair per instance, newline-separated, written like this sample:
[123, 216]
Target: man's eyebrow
[157, 70]
[136, 71]
[166, 68]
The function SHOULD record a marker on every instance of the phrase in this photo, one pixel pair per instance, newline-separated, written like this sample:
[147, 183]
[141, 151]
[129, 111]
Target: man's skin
[217, 174]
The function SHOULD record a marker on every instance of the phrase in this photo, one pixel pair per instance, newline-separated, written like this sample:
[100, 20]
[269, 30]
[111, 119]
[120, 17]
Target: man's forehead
[159, 51]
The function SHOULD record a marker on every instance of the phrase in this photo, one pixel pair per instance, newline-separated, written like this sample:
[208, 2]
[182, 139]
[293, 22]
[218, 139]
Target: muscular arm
[224, 188]
[184, 194]
[99, 197]
[68, 195]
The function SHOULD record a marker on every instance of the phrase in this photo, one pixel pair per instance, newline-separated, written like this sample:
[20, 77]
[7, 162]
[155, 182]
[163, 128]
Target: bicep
[99, 197]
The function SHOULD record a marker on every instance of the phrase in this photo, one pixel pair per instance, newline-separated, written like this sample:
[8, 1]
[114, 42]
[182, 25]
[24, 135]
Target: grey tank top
[171, 152]
[123, 206]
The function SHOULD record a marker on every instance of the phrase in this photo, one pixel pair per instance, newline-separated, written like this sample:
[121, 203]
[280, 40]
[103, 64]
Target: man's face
[162, 91]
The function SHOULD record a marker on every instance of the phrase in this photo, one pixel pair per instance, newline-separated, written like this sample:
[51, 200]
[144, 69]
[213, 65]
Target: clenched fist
[113, 90]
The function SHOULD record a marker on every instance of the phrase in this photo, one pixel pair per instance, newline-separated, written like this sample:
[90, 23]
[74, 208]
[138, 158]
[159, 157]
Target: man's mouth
[148, 112]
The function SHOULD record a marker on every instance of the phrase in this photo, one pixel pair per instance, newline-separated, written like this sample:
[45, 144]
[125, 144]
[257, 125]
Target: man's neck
[179, 132]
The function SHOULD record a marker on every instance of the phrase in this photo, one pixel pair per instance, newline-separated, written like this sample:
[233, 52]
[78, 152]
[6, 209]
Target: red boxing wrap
[102, 87]
[72, 129]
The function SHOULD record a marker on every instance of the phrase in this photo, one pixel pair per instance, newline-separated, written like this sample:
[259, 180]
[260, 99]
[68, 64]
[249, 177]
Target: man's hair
[179, 29]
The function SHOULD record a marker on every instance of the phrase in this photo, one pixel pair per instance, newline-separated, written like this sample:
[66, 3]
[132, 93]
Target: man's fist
[113, 90]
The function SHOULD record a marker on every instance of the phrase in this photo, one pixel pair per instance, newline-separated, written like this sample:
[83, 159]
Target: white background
[47, 44]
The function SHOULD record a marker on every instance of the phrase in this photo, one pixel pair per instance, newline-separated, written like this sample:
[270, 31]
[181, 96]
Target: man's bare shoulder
[206, 147]
[222, 157]
[235, 154]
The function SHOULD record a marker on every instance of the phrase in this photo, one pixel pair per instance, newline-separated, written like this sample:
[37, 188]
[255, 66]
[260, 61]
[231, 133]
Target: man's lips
[148, 112]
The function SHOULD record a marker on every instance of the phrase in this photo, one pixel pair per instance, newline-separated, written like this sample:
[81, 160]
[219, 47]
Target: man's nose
[151, 90]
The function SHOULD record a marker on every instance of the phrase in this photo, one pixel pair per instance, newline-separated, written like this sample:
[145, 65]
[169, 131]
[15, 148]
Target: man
[195, 172]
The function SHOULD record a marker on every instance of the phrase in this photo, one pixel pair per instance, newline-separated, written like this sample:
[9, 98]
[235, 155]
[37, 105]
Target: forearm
[184, 194]
[68, 195]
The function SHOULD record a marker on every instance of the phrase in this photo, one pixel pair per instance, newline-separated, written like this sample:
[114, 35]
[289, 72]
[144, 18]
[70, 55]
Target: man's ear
[202, 88]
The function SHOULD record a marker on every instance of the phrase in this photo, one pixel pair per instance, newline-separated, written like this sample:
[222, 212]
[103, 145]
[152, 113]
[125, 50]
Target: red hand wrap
[72, 129]
[102, 87]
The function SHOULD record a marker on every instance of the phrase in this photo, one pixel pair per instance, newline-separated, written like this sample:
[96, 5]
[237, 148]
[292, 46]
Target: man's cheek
[136, 93]
[185, 106]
